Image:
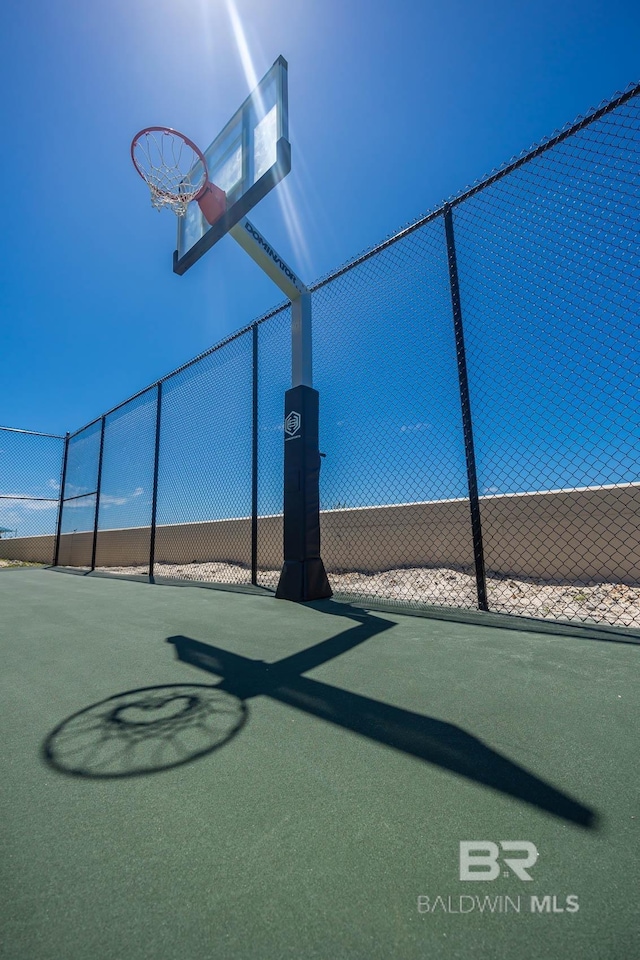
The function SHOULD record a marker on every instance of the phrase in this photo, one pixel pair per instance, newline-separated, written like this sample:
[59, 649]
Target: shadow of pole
[426, 738]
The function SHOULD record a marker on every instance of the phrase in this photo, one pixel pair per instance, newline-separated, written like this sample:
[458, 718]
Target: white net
[173, 170]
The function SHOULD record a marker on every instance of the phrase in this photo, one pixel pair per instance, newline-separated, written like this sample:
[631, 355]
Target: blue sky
[393, 107]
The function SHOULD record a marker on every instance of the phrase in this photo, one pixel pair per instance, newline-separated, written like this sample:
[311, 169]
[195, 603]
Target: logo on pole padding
[292, 424]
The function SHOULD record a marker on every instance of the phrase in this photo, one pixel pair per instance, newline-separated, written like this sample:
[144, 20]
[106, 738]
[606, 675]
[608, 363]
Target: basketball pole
[303, 576]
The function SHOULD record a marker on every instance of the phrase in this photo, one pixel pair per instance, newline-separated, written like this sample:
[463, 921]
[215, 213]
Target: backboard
[246, 160]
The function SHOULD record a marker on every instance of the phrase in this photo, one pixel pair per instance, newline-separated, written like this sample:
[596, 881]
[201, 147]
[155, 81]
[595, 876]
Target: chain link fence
[520, 494]
[30, 477]
[479, 411]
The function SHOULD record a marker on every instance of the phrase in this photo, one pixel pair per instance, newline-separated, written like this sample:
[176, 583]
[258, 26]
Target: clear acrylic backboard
[246, 160]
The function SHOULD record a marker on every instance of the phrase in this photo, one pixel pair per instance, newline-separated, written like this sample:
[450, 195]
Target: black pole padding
[303, 576]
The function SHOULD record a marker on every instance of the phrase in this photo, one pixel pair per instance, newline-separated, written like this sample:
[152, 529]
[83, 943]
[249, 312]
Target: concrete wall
[588, 534]
[573, 535]
[31, 549]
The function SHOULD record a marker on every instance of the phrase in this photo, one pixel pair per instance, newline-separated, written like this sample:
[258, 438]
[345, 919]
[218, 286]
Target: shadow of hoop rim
[48, 752]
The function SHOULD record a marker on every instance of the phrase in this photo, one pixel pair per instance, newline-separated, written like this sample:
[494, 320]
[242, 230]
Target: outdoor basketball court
[195, 772]
[301, 775]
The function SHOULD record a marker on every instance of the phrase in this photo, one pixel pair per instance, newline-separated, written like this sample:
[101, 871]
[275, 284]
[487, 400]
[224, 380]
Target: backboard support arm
[262, 253]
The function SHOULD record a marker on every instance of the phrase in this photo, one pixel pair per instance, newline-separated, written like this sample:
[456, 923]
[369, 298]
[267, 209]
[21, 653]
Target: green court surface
[302, 774]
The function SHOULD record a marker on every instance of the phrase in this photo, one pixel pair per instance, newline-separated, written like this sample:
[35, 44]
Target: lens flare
[284, 193]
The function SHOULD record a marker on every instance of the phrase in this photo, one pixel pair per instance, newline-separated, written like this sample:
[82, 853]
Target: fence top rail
[595, 113]
[91, 423]
[10, 496]
[232, 336]
[33, 433]
[592, 115]
[185, 366]
[123, 403]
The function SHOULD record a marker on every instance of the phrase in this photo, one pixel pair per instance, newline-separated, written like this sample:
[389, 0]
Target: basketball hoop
[175, 170]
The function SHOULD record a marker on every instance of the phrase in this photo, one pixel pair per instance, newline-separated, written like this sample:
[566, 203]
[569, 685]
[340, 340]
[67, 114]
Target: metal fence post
[154, 502]
[465, 402]
[99, 484]
[254, 463]
[63, 480]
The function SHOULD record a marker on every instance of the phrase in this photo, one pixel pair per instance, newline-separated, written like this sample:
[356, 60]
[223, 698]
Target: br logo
[292, 423]
[480, 859]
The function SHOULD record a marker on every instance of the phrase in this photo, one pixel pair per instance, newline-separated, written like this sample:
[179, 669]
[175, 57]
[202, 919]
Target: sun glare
[283, 192]
[242, 45]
